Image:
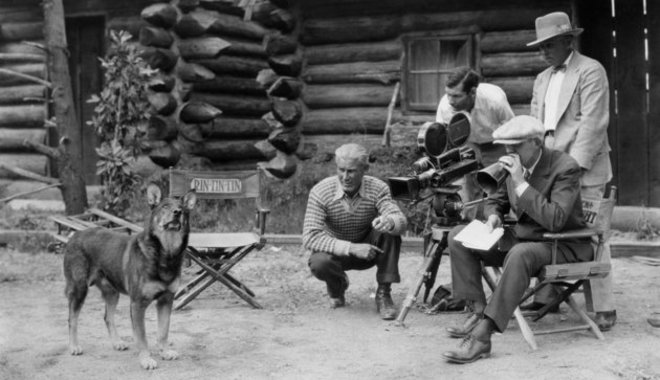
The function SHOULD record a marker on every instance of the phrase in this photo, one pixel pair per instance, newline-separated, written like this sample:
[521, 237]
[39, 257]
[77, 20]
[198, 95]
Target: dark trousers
[522, 262]
[330, 268]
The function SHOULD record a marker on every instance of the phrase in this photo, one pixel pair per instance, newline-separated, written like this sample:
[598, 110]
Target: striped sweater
[334, 220]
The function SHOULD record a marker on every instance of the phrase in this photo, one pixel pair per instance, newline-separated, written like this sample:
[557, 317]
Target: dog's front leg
[138, 307]
[164, 309]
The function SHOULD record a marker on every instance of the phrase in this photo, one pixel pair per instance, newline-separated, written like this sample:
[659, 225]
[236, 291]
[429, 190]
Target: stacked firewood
[207, 101]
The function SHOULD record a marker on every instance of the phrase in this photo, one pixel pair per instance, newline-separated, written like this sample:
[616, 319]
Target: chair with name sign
[568, 278]
[217, 253]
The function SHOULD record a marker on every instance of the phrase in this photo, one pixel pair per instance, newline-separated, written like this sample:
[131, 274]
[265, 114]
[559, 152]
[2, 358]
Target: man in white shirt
[571, 98]
[488, 108]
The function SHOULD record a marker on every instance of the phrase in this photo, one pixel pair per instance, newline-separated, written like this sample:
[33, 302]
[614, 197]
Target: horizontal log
[228, 150]
[191, 132]
[35, 163]
[161, 128]
[282, 166]
[187, 5]
[230, 85]
[22, 94]
[202, 47]
[227, 64]
[285, 139]
[37, 70]
[272, 122]
[286, 65]
[193, 72]
[267, 149]
[197, 111]
[521, 109]
[512, 64]
[167, 155]
[157, 58]
[22, 115]
[384, 72]
[22, 48]
[22, 31]
[243, 105]
[378, 28]
[131, 24]
[517, 89]
[266, 78]
[286, 87]
[12, 139]
[21, 58]
[162, 83]
[223, 6]
[508, 41]
[233, 127]
[199, 22]
[346, 120]
[245, 48]
[271, 16]
[163, 103]
[288, 112]
[332, 96]
[354, 52]
[20, 11]
[163, 15]
[158, 37]
[278, 43]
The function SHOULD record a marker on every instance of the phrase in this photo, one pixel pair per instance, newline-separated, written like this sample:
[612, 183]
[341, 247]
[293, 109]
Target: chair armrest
[574, 234]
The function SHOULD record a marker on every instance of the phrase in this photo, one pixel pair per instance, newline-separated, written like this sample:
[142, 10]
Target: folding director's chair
[569, 277]
[217, 253]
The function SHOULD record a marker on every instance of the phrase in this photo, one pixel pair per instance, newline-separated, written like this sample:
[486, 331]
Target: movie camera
[446, 160]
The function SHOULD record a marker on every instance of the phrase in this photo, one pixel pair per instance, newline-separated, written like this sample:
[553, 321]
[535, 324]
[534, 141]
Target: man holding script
[543, 190]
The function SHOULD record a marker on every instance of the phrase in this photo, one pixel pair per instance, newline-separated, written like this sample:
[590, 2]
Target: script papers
[476, 236]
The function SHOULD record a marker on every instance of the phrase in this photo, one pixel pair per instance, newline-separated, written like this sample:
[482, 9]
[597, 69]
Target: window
[429, 60]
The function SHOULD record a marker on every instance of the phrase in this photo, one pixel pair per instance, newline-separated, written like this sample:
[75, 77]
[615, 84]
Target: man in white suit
[571, 98]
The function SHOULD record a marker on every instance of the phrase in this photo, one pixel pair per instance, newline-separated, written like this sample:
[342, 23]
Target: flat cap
[519, 129]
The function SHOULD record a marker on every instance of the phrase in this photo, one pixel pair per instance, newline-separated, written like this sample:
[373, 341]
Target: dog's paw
[119, 345]
[147, 362]
[169, 354]
[75, 350]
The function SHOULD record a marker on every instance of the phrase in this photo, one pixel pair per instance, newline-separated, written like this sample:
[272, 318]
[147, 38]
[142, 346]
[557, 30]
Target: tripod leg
[429, 281]
[423, 273]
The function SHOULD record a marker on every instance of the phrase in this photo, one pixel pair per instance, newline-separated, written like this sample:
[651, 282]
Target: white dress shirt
[551, 100]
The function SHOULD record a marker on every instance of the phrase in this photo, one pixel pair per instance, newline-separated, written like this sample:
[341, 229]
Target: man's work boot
[605, 320]
[384, 303]
[339, 300]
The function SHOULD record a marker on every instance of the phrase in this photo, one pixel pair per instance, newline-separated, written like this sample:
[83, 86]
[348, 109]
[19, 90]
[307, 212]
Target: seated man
[543, 189]
[352, 223]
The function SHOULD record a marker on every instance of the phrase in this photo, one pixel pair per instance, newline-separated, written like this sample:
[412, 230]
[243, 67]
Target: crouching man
[543, 189]
[352, 223]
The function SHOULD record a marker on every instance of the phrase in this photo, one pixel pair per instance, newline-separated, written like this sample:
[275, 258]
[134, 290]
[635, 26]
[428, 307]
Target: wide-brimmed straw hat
[553, 25]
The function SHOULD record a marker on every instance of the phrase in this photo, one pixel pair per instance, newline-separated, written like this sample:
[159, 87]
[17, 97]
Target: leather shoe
[384, 303]
[655, 322]
[463, 331]
[340, 300]
[536, 306]
[605, 320]
[471, 349]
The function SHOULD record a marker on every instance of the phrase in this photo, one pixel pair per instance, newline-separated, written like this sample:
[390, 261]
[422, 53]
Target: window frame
[471, 34]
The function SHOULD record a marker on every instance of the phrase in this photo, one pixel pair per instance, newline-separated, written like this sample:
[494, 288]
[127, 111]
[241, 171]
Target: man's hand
[364, 251]
[493, 222]
[512, 164]
[382, 224]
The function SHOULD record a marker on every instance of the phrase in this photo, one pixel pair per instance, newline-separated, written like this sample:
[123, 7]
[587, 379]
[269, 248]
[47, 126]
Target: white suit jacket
[583, 116]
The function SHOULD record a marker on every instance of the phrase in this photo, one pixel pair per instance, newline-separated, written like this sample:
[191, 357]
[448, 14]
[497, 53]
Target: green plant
[120, 120]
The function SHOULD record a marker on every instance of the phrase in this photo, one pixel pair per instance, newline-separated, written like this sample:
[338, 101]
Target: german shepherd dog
[145, 266]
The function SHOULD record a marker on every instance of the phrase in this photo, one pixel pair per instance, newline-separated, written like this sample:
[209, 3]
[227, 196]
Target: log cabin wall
[354, 55]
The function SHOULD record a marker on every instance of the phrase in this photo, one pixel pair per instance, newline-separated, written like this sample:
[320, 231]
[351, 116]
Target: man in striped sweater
[352, 223]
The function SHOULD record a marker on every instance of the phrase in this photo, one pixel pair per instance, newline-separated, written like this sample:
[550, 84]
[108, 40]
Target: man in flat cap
[543, 189]
[571, 98]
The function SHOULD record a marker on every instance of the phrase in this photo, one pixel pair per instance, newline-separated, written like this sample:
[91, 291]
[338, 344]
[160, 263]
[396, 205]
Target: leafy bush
[120, 120]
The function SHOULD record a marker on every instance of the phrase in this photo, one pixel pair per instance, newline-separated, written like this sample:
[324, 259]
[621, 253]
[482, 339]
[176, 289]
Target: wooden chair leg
[191, 295]
[526, 331]
[239, 284]
[585, 318]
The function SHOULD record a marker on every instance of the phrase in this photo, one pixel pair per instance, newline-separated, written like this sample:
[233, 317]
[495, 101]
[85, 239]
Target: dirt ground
[296, 336]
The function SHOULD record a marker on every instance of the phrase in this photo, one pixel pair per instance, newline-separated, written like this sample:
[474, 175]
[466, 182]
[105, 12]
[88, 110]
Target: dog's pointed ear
[190, 199]
[154, 194]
